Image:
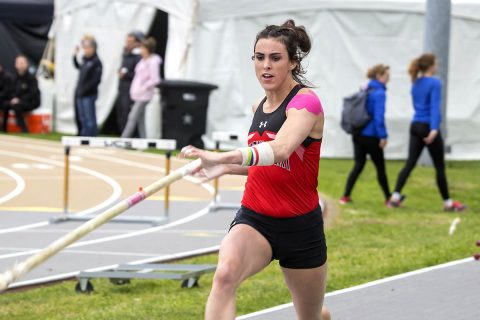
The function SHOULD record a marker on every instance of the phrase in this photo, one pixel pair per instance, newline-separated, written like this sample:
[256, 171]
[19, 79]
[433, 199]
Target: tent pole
[437, 40]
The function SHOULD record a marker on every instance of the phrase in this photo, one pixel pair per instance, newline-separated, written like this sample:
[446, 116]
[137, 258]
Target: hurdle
[219, 137]
[68, 143]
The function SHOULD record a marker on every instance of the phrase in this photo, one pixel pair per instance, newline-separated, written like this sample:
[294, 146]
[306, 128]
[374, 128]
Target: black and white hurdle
[166, 145]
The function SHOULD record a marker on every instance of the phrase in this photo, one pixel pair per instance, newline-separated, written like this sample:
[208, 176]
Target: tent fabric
[212, 41]
[348, 37]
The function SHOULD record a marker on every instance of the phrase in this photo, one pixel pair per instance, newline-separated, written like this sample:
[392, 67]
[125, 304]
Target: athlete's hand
[207, 174]
[383, 143]
[431, 136]
[209, 159]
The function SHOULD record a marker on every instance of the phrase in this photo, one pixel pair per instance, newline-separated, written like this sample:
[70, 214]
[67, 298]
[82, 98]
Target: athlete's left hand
[208, 174]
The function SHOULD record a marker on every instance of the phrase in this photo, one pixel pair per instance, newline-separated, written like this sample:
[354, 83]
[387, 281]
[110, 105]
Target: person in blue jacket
[424, 129]
[372, 139]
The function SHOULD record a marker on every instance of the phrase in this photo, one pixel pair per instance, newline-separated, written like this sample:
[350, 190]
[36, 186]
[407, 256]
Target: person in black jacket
[130, 58]
[25, 95]
[6, 91]
[86, 91]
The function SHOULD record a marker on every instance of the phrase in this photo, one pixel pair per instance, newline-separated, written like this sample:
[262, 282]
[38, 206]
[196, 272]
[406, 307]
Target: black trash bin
[184, 111]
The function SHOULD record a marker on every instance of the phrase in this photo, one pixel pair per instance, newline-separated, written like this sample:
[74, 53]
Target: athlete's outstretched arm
[294, 131]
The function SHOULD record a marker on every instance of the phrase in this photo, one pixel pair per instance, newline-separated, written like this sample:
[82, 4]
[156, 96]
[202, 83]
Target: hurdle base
[189, 274]
[126, 219]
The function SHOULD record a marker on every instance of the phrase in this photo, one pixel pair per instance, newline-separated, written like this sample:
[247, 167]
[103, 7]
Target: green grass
[53, 136]
[366, 242]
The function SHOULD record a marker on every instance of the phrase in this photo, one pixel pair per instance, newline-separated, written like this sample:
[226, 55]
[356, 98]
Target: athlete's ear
[293, 65]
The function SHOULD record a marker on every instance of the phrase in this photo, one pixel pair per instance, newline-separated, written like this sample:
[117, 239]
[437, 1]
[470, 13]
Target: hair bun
[289, 24]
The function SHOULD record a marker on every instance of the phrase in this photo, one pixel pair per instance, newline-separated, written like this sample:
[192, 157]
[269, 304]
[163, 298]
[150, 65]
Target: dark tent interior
[24, 26]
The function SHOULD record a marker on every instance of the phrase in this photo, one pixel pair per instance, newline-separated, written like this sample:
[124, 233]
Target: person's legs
[376, 154]
[18, 110]
[415, 148]
[360, 157]
[141, 120]
[243, 252]
[5, 109]
[307, 287]
[123, 106]
[78, 122]
[132, 120]
[90, 116]
[81, 117]
[436, 151]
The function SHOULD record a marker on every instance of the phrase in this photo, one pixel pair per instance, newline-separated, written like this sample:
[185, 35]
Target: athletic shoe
[456, 206]
[345, 200]
[396, 203]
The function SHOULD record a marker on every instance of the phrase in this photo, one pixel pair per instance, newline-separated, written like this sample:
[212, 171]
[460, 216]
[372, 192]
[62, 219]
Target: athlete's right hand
[209, 159]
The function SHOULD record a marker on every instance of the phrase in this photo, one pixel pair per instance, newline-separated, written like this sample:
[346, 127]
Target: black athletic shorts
[297, 242]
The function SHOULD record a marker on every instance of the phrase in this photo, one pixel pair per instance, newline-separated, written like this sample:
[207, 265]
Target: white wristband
[259, 155]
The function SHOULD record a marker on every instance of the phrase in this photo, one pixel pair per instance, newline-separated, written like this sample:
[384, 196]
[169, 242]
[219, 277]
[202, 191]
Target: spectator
[131, 56]
[86, 91]
[373, 137]
[147, 77]
[25, 95]
[425, 129]
[6, 90]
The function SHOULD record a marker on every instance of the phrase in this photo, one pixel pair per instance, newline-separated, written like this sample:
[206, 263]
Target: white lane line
[20, 185]
[93, 252]
[116, 231]
[157, 259]
[363, 286]
[186, 219]
[20, 166]
[117, 190]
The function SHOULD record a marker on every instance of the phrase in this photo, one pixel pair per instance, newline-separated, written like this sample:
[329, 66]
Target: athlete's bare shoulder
[306, 91]
[255, 105]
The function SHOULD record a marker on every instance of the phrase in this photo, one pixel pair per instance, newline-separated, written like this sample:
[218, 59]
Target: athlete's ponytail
[297, 43]
[421, 64]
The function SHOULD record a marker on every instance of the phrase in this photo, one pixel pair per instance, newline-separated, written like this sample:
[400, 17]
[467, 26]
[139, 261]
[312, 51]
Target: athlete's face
[272, 65]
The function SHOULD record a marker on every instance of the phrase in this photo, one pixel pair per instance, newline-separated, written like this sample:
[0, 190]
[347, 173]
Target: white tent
[212, 41]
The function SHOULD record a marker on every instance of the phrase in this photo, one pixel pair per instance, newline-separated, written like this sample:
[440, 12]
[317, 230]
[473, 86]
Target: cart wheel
[119, 282]
[190, 283]
[87, 289]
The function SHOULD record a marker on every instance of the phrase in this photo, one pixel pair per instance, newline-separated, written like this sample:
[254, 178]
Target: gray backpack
[354, 112]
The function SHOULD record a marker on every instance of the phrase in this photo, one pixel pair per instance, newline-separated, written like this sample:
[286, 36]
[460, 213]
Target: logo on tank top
[263, 124]
[284, 165]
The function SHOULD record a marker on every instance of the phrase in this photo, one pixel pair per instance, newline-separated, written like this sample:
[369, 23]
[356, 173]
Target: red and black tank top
[288, 188]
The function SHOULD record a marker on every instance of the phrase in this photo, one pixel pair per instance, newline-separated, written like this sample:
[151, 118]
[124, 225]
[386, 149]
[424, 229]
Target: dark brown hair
[421, 64]
[150, 44]
[296, 41]
[377, 70]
